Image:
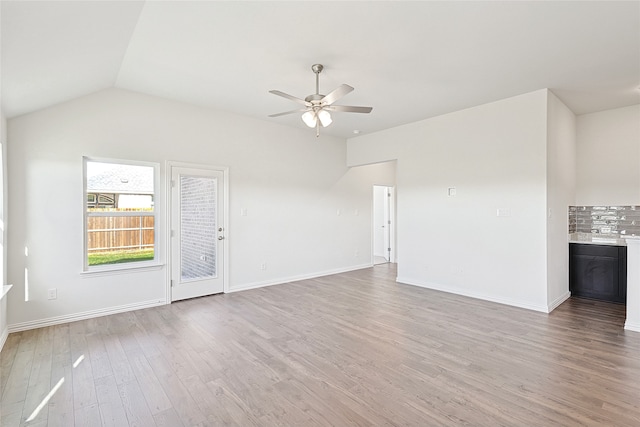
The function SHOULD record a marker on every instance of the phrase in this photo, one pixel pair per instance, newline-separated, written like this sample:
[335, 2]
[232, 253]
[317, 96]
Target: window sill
[108, 271]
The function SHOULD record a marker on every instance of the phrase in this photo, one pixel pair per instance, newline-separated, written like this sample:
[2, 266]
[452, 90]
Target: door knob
[220, 237]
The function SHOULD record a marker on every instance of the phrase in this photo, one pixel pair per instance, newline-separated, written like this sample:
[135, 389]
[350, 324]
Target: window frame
[124, 266]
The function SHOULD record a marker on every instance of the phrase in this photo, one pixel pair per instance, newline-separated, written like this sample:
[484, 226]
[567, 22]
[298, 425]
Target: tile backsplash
[617, 221]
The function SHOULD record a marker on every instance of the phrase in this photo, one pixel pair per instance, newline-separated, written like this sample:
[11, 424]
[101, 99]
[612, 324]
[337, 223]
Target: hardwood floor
[349, 349]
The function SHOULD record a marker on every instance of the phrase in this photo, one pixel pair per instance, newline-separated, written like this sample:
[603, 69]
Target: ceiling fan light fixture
[309, 118]
[324, 117]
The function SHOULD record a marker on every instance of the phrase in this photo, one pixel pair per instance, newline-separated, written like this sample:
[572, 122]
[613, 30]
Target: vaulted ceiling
[408, 60]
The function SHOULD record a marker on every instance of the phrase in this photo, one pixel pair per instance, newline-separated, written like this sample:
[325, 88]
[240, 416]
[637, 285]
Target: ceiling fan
[317, 107]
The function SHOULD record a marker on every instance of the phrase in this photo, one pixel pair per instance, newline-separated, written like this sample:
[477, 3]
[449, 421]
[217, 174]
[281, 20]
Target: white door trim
[170, 164]
[392, 217]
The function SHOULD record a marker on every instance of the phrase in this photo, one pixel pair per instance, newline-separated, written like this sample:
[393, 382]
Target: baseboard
[290, 279]
[466, 293]
[51, 321]
[629, 326]
[556, 303]
[57, 320]
[3, 337]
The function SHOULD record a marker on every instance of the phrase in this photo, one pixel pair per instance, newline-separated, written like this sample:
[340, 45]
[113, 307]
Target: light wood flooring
[349, 349]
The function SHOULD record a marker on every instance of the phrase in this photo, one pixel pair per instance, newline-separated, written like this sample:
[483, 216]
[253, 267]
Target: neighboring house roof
[122, 179]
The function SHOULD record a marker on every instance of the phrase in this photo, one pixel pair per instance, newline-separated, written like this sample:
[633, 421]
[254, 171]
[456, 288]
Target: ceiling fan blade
[288, 112]
[338, 93]
[348, 109]
[290, 97]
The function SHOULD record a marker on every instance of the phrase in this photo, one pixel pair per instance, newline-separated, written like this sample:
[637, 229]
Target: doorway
[383, 225]
[197, 219]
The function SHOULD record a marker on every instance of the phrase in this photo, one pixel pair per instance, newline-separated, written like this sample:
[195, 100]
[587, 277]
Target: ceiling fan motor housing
[316, 98]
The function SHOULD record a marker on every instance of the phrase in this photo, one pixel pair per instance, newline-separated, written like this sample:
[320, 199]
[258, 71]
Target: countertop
[596, 239]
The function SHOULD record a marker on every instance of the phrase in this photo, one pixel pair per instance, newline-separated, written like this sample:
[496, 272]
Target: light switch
[451, 191]
[243, 211]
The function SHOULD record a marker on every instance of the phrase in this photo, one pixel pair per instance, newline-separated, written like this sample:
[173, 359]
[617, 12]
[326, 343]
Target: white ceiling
[408, 60]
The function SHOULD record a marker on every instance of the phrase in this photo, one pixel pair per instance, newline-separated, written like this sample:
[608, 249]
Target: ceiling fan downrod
[317, 69]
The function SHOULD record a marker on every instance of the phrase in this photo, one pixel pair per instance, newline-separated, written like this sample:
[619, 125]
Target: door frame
[169, 165]
[392, 217]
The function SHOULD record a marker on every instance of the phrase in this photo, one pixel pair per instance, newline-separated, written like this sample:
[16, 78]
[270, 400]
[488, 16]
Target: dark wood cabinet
[598, 271]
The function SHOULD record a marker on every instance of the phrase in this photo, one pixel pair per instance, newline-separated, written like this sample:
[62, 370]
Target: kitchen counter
[596, 239]
[632, 243]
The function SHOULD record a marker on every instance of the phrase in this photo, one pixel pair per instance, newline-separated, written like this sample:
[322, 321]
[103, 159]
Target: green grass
[117, 257]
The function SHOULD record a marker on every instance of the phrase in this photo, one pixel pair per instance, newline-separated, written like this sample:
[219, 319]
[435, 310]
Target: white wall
[608, 157]
[3, 198]
[561, 188]
[291, 184]
[3, 258]
[495, 156]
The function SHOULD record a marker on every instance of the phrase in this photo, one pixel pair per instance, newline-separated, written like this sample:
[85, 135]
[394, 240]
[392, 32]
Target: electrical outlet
[263, 266]
[52, 293]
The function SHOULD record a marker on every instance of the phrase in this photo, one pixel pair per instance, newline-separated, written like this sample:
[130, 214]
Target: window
[120, 217]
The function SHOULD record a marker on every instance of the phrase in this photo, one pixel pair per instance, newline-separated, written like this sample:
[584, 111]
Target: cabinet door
[622, 272]
[595, 272]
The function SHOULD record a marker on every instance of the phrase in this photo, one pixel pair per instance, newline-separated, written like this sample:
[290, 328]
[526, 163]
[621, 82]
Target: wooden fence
[116, 233]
